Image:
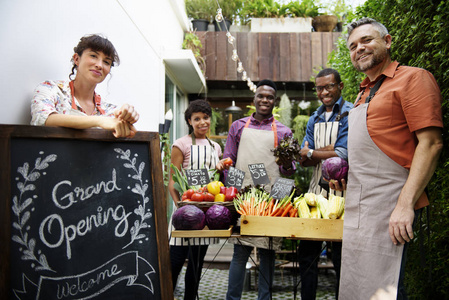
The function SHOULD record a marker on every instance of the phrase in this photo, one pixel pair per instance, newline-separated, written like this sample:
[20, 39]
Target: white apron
[370, 260]
[324, 134]
[201, 156]
[255, 147]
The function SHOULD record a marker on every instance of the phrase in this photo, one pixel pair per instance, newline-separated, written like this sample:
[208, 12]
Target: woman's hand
[119, 128]
[127, 113]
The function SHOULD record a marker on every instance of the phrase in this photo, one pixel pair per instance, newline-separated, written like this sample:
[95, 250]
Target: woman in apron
[74, 103]
[193, 151]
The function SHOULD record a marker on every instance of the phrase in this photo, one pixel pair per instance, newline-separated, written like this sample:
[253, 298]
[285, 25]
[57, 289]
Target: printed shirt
[235, 133]
[56, 97]
[319, 116]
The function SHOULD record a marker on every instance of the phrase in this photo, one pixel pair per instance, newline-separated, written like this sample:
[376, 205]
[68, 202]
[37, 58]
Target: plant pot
[339, 27]
[221, 26]
[200, 24]
[324, 23]
[281, 24]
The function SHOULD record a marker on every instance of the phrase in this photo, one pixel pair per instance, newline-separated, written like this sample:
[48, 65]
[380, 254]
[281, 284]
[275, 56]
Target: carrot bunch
[257, 202]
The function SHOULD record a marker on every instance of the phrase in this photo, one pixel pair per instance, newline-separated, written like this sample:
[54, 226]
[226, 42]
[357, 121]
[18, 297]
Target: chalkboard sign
[282, 187]
[235, 178]
[259, 173]
[197, 176]
[86, 216]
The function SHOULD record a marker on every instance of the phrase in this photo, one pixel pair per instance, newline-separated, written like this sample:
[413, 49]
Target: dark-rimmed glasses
[328, 87]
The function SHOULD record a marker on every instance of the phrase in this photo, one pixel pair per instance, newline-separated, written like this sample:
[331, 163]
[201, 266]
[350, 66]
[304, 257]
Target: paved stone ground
[214, 283]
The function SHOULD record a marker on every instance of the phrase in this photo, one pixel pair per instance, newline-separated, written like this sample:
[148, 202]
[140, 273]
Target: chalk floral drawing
[140, 188]
[22, 210]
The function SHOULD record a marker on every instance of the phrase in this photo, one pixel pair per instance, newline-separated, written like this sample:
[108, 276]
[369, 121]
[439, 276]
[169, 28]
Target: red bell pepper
[231, 193]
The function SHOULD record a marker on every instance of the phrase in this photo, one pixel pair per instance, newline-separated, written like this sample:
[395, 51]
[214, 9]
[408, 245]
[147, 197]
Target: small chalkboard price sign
[82, 219]
[282, 187]
[197, 176]
[235, 178]
[259, 174]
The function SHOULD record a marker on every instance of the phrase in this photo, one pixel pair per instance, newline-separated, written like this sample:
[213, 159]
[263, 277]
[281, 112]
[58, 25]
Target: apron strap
[194, 140]
[97, 99]
[273, 128]
[372, 92]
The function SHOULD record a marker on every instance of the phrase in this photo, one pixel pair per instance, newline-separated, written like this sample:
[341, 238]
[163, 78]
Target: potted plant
[192, 42]
[271, 16]
[340, 9]
[201, 13]
[332, 17]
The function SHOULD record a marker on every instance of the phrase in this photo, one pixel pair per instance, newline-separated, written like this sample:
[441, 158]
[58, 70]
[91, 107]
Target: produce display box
[206, 232]
[299, 228]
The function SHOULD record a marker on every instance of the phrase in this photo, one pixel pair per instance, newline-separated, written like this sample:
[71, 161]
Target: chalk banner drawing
[82, 221]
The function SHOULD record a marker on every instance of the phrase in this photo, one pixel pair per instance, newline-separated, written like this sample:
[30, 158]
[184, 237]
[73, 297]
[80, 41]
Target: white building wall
[37, 39]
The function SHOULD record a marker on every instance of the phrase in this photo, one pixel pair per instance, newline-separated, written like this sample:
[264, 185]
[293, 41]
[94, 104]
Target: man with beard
[394, 143]
[326, 136]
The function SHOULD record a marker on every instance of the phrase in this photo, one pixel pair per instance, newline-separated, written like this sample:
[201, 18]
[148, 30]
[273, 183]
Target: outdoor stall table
[291, 228]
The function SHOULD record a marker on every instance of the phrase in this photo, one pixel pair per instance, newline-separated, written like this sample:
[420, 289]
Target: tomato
[188, 193]
[219, 198]
[186, 200]
[228, 161]
[197, 197]
[209, 197]
[184, 197]
[213, 187]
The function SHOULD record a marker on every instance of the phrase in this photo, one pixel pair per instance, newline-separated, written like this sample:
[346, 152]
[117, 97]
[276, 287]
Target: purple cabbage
[189, 217]
[335, 168]
[218, 217]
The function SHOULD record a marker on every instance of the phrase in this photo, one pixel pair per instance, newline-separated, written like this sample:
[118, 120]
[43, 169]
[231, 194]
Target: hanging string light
[234, 56]
[240, 67]
[219, 16]
[231, 40]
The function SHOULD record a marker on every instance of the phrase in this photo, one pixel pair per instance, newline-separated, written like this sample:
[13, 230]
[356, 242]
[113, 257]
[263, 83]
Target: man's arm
[318, 155]
[430, 145]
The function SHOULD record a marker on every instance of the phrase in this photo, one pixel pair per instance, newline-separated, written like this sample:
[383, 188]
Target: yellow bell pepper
[213, 187]
[219, 198]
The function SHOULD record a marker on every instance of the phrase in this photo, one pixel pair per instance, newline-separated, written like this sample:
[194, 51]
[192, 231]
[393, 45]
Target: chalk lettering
[67, 289]
[70, 232]
[81, 194]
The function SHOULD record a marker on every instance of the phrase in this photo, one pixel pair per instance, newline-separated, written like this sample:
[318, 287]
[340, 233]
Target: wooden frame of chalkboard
[110, 226]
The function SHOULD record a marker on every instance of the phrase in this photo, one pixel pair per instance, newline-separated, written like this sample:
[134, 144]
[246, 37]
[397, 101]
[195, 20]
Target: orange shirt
[408, 100]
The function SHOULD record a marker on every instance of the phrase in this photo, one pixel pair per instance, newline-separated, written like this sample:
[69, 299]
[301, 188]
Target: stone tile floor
[214, 282]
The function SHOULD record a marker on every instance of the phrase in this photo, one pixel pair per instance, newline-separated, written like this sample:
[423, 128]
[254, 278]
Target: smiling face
[368, 50]
[200, 123]
[328, 90]
[92, 66]
[264, 102]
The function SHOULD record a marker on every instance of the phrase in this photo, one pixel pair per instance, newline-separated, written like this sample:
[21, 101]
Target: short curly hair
[195, 106]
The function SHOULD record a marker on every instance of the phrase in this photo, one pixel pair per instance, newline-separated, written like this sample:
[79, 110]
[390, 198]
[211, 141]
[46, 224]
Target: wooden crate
[206, 232]
[298, 228]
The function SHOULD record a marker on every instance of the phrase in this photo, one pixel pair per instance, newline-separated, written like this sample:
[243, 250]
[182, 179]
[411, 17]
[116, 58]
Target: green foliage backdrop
[420, 39]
